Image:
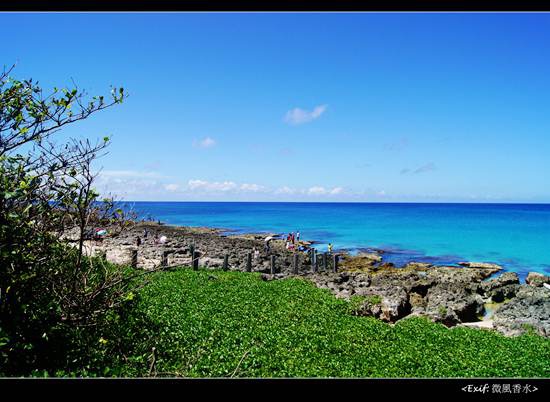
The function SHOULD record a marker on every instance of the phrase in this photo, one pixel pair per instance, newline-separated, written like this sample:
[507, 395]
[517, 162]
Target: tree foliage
[50, 288]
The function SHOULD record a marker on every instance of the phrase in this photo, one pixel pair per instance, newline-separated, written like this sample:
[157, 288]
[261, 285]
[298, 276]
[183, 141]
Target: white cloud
[319, 190]
[194, 184]
[285, 190]
[224, 187]
[129, 183]
[255, 188]
[381, 193]
[316, 190]
[230, 187]
[127, 186]
[172, 187]
[137, 185]
[206, 142]
[202, 185]
[300, 116]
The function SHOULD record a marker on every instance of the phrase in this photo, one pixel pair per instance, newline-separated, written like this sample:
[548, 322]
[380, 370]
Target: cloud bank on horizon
[152, 186]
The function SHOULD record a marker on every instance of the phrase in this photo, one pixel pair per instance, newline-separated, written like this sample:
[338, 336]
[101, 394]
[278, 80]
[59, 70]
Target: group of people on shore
[156, 239]
[292, 243]
[291, 240]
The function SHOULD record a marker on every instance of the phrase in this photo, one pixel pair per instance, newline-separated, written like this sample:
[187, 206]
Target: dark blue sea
[516, 236]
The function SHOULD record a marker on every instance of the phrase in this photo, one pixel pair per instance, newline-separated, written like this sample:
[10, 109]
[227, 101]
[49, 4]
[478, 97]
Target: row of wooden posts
[295, 261]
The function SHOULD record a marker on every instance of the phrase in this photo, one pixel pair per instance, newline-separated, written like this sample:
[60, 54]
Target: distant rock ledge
[481, 265]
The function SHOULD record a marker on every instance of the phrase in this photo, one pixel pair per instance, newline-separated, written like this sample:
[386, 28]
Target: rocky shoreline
[450, 295]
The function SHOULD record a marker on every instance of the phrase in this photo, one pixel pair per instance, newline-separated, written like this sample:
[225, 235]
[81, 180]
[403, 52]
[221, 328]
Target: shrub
[50, 294]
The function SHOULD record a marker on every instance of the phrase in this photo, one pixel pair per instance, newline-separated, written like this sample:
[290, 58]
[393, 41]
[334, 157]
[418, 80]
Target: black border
[274, 5]
[365, 388]
[368, 389]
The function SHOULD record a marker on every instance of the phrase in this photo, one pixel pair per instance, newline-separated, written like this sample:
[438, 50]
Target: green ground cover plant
[232, 324]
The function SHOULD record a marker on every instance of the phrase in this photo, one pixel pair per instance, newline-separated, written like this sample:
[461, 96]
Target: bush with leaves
[49, 290]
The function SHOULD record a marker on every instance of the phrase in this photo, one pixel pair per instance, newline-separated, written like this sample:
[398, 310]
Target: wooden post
[249, 262]
[325, 261]
[225, 262]
[134, 254]
[335, 266]
[192, 253]
[295, 263]
[272, 264]
[314, 259]
[195, 260]
[164, 261]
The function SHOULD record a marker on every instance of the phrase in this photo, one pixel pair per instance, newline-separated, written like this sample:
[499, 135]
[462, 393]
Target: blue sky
[307, 106]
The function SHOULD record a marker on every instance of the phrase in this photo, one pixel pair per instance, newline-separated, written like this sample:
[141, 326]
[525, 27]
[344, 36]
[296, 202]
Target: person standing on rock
[298, 236]
[330, 247]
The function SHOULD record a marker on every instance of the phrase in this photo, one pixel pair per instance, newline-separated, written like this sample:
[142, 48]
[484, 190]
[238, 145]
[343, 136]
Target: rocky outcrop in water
[361, 260]
[480, 265]
[536, 279]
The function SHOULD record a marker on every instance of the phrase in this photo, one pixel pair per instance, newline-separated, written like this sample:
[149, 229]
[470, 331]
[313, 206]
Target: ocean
[516, 236]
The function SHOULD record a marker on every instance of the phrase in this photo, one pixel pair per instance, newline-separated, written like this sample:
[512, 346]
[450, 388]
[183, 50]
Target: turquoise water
[516, 236]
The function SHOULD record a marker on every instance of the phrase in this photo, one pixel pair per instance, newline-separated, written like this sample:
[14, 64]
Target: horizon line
[350, 202]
